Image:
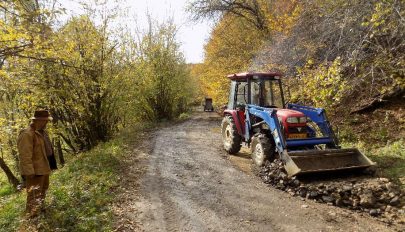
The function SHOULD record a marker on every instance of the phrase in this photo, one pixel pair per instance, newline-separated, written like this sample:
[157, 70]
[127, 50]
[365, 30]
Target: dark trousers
[36, 192]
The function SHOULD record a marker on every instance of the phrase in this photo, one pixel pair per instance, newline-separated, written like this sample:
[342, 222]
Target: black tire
[230, 136]
[263, 148]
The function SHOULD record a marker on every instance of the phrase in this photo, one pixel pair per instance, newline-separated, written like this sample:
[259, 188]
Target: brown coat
[31, 149]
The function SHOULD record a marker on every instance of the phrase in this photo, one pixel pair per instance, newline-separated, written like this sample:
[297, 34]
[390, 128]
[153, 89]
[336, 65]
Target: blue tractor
[301, 136]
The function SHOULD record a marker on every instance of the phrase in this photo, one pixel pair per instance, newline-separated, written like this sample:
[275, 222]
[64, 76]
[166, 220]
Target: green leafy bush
[322, 85]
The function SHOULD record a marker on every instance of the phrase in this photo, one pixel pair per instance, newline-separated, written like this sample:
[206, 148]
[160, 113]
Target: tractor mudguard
[239, 119]
[268, 116]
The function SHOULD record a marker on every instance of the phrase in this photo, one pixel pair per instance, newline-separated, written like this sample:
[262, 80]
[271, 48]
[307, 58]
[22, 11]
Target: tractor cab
[262, 89]
[266, 90]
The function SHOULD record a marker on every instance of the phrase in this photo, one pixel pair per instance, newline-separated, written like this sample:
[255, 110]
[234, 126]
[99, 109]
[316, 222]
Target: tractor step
[311, 161]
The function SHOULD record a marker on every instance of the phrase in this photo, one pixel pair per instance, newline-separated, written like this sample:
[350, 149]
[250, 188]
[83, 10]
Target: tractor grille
[297, 130]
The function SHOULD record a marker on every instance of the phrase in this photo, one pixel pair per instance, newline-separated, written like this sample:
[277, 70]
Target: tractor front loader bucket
[310, 161]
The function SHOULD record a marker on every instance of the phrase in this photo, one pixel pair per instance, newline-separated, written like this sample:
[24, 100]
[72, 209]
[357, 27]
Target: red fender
[239, 119]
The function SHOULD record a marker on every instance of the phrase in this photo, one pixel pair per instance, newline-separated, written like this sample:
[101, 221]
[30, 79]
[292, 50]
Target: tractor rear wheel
[263, 148]
[230, 136]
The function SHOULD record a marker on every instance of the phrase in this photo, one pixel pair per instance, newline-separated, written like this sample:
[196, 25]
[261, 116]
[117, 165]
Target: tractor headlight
[293, 120]
[297, 119]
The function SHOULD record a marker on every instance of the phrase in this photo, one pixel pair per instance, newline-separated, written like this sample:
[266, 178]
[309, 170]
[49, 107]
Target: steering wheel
[271, 106]
[245, 88]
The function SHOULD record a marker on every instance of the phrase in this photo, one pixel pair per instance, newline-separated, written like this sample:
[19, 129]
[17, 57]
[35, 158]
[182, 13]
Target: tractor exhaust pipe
[311, 161]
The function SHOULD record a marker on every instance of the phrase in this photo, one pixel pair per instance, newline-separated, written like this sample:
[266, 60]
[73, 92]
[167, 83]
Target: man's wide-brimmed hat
[42, 115]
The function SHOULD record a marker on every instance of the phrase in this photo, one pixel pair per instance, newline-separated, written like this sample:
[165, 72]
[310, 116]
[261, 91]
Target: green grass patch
[184, 116]
[390, 159]
[10, 210]
[6, 189]
[79, 196]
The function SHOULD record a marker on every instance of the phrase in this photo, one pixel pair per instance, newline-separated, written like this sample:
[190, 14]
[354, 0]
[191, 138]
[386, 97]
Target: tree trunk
[14, 153]
[60, 152]
[10, 176]
[68, 142]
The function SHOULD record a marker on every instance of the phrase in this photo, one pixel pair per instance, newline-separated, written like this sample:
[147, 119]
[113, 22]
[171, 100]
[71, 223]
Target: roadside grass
[10, 211]
[11, 203]
[390, 159]
[5, 189]
[184, 116]
[80, 193]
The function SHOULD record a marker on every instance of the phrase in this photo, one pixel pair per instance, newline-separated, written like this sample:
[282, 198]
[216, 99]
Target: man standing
[36, 161]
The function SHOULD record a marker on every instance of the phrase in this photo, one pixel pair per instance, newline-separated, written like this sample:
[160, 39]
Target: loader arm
[318, 116]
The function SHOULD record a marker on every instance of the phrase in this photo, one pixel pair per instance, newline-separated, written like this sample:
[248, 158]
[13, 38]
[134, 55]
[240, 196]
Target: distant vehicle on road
[208, 104]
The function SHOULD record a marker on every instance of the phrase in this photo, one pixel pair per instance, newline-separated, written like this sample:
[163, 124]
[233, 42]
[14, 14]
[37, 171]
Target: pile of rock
[376, 196]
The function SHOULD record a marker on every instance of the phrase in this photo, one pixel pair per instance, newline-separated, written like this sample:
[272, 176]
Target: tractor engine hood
[283, 114]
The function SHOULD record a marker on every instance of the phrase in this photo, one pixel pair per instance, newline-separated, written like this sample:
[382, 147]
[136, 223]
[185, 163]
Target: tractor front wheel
[263, 148]
[230, 136]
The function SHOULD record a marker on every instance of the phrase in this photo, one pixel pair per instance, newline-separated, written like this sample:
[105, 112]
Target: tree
[66, 71]
[231, 49]
[93, 81]
[266, 16]
[163, 85]
[236, 44]
[361, 39]
[250, 10]
[23, 24]
[366, 36]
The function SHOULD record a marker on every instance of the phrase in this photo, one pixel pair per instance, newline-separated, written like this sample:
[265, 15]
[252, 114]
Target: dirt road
[188, 184]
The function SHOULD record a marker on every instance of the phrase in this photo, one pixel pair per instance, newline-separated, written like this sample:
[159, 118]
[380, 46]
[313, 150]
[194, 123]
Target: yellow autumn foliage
[330, 49]
[231, 48]
[235, 44]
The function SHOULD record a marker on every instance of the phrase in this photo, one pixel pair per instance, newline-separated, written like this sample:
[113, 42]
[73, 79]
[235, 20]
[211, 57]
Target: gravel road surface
[187, 183]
